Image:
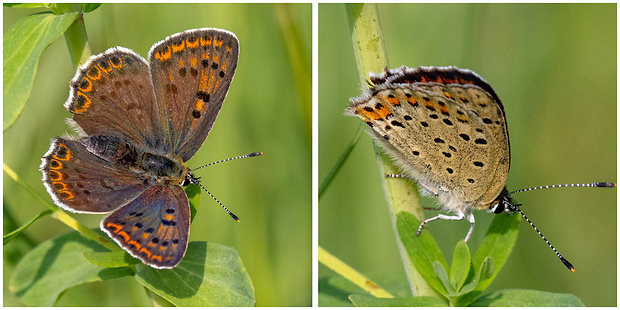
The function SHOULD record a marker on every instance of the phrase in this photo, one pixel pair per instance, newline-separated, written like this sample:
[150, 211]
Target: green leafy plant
[431, 281]
[209, 275]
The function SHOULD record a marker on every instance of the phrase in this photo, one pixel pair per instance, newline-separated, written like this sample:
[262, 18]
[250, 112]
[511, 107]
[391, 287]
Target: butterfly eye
[497, 208]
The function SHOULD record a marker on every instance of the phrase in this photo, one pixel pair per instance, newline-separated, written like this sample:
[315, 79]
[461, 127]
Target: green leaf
[89, 7]
[485, 272]
[64, 8]
[8, 237]
[193, 195]
[56, 265]
[23, 44]
[210, 275]
[334, 291]
[112, 259]
[440, 271]
[420, 301]
[527, 298]
[461, 263]
[487, 269]
[423, 250]
[497, 244]
[469, 286]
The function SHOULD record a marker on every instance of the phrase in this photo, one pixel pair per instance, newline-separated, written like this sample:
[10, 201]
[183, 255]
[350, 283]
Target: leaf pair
[462, 283]
[209, 275]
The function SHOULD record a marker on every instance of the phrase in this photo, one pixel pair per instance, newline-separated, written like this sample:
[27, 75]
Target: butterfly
[139, 121]
[445, 128]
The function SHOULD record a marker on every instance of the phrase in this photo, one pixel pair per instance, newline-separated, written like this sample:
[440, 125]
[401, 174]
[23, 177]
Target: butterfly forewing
[112, 94]
[191, 74]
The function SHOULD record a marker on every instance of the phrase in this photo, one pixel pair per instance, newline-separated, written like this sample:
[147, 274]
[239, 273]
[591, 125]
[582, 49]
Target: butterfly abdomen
[111, 148]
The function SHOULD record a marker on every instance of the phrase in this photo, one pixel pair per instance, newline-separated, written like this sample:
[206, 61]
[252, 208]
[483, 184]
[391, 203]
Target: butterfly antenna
[516, 208]
[599, 184]
[195, 180]
[228, 211]
[562, 259]
[227, 159]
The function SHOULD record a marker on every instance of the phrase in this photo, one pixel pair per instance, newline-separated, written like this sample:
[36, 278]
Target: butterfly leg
[457, 217]
[472, 220]
[391, 175]
[402, 176]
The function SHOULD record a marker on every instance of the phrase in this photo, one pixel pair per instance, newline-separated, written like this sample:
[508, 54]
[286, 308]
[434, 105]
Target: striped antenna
[599, 184]
[562, 259]
[190, 179]
[515, 207]
[228, 211]
[227, 159]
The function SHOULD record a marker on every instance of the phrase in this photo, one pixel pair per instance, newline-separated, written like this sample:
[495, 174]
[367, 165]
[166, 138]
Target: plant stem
[77, 42]
[60, 214]
[401, 195]
[351, 274]
[83, 230]
[25, 186]
[343, 158]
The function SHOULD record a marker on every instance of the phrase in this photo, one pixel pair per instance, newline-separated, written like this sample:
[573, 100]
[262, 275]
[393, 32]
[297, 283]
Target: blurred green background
[554, 68]
[271, 194]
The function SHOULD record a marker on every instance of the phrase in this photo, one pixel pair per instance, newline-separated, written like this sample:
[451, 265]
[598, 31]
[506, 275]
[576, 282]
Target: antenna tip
[255, 154]
[567, 264]
[605, 184]
[234, 217]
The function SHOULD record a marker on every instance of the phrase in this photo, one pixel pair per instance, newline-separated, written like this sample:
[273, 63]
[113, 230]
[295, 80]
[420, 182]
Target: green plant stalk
[343, 158]
[351, 274]
[8, 237]
[60, 214]
[85, 231]
[401, 195]
[25, 186]
[77, 42]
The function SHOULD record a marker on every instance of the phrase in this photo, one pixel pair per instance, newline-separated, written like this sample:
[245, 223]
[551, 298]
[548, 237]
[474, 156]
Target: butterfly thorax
[163, 169]
[154, 169]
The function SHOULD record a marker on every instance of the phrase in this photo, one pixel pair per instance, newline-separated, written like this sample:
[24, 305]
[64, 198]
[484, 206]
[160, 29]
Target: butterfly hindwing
[154, 227]
[79, 181]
